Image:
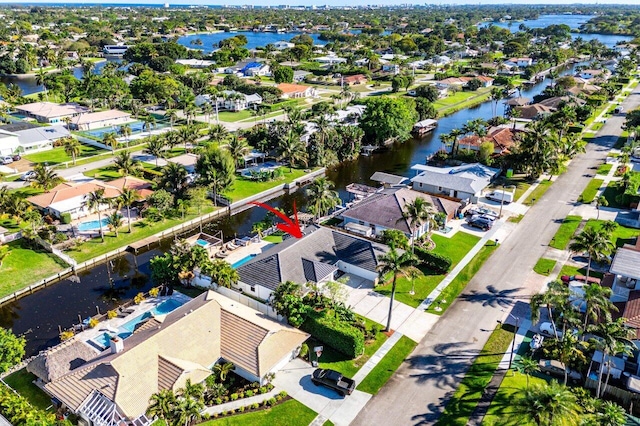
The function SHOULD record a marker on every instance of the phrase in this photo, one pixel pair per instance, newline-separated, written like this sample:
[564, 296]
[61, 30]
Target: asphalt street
[420, 389]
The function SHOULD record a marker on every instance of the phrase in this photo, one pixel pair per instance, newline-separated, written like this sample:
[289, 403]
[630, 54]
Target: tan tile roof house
[181, 345]
[49, 112]
[296, 90]
[100, 119]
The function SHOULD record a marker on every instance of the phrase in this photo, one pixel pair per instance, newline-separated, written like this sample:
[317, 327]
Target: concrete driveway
[295, 378]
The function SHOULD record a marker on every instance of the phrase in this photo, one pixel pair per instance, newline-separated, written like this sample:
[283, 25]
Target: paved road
[419, 390]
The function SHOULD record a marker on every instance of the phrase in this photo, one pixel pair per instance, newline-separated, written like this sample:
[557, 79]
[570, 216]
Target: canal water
[38, 316]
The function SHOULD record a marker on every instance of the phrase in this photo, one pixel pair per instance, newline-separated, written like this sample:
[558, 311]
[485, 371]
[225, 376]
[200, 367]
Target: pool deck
[242, 252]
[113, 324]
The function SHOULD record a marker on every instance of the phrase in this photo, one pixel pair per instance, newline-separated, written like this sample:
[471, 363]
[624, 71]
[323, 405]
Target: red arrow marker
[289, 226]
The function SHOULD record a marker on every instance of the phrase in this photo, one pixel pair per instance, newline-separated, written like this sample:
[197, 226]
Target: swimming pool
[242, 261]
[167, 306]
[202, 243]
[92, 225]
[136, 127]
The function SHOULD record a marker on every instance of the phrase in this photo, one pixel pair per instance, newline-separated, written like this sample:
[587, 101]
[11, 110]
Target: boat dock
[423, 127]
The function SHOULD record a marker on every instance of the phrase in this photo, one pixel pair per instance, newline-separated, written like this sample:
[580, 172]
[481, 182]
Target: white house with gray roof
[463, 182]
[316, 257]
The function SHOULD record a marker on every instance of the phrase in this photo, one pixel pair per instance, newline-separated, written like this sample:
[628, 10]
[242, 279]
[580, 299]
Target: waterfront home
[101, 119]
[164, 352]
[385, 210]
[503, 138]
[461, 182]
[195, 63]
[534, 111]
[33, 138]
[49, 112]
[519, 62]
[281, 45]
[232, 100]
[595, 74]
[316, 257]
[294, 91]
[253, 69]
[330, 59]
[463, 81]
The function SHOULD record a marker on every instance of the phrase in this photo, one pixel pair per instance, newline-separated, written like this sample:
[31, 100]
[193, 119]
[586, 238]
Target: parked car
[334, 380]
[500, 196]
[546, 329]
[482, 211]
[7, 159]
[16, 157]
[30, 175]
[480, 222]
[482, 216]
[556, 368]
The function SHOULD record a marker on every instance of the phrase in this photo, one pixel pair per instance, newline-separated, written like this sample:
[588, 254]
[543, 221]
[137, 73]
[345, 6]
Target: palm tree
[45, 178]
[395, 264]
[192, 390]
[597, 300]
[114, 221]
[555, 298]
[237, 148]
[172, 114]
[127, 165]
[601, 201]
[595, 243]
[223, 369]
[128, 197]
[109, 139]
[187, 135]
[72, 148]
[548, 405]
[174, 179]
[162, 404]
[293, 149]
[149, 122]
[455, 134]
[322, 197]
[186, 411]
[417, 213]
[93, 201]
[155, 147]
[125, 132]
[614, 337]
[217, 133]
[610, 414]
[528, 366]
[41, 80]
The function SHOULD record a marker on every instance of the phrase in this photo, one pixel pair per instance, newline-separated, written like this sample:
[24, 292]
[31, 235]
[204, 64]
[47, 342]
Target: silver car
[556, 368]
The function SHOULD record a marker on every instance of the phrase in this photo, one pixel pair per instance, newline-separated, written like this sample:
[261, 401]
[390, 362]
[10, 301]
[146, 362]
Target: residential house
[362, 62]
[534, 111]
[330, 59]
[352, 80]
[625, 269]
[462, 182]
[163, 353]
[519, 62]
[316, 257]
[101, 119]
[188, 161]
[281, 45]
[385, 210]
[195, 63]
[34, 138]
[253, 69]
[391, 68]
[49, 112]
[293, 91]
[503, 139]
[463, 81]
[441, 60]
[299, 75]
[141, 186]
[9, 143]
[232, 100]
[595, 74]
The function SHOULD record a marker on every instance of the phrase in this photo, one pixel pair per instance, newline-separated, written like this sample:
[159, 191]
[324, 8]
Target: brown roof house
[292, 91]
[503, 139]
[114, 387]
[384, 210]
[352, 80]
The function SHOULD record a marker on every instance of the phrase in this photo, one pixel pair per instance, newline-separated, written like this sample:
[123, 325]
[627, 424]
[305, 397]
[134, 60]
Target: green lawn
[229, 116]
[24, 266]
[466, 397]
[516, 219]
[590, 191]
[538, 192]
[57, 155]
[610, 193]
[519, 181]
[577, 270]
[621, 236]
[455, 247]
[288, 413]
[565, 232]
[461, 100]
[335, 360]
[502, 404]
[21, 382]
[276, 239]
[604, 169]
[382, 372]
[103, 173]
[456, 98]
[243, 188]
[455, 287]
[544, 266]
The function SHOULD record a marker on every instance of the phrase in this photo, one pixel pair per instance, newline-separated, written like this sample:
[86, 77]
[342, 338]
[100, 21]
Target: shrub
[255, 405]
[66, 335]
[234, 396]
[263, 389]
[138, 299]
[65, 218]
[304, 351]
[93, 322]
[154, 292]
[283, 394]
[249, 393]
[278, 398]
[111, 314]
[269, 387]
[434, 261]
[338, 334]
[241, 409]
[271, 401]
[240, 395]
[218, 401]
[265, 403]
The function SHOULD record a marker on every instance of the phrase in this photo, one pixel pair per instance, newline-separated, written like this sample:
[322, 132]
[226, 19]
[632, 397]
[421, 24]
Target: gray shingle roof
[470, 178]
[626, 263]
[42, 133]
[314, 254]
[387, 178]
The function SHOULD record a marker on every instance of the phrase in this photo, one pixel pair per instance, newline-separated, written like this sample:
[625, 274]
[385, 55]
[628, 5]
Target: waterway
[254, 39]
[38, 316]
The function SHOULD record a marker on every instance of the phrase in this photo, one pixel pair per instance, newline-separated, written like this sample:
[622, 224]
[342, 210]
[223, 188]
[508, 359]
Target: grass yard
[466, 397]
[243, 188]
[382, 372]
[565, 233]
[621, 236]
[103, 173]
[612, 191]
[516, 219]
[230, 117]
[455, 287]
[24, 266]
[544, 266]
[290, 412]
[506, 184]
[275, 239]
[57, 155]
[460, 100]
[590, 191]
[538, 192]
[604, 169]
[577, 270]
[335, 360]
[455, 247]
[502, 404]
[22, 382]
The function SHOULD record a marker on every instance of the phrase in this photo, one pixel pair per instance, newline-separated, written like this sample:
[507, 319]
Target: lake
[254, 39]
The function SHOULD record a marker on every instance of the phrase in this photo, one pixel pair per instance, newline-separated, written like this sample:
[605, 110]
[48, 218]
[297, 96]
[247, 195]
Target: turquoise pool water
[92, 225]
[126, 329]
[203, 243]
[137, 127]
[242, 261]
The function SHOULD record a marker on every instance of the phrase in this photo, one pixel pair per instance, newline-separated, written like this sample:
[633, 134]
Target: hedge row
[18, 411]
[434, 261]
[338, 334]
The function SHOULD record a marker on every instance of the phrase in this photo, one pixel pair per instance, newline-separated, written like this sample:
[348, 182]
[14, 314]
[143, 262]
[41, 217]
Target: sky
[318, 2]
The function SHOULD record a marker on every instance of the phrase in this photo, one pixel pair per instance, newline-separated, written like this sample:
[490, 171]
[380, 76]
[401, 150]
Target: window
[253, 288]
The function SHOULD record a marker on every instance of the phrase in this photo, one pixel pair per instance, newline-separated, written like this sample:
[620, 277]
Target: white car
[27, 176]
[7, 159]
[546, 329]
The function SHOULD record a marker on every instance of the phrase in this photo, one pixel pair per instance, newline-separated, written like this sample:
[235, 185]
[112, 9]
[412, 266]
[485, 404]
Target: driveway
[295, 378]
[420, 389]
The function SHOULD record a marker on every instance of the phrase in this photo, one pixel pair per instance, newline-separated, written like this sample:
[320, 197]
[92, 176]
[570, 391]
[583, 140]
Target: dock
[423, 127]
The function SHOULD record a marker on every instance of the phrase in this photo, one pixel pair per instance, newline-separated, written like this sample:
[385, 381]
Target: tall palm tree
[155, 147]
[162, 404]
[110, 139]
[555, 298]
[594, 242]
[601, 201]
[528, 366]
[393, 263]
[186, 411]
[172, 115]
[293, 149]
[598, 304]
[237, 147]
[45, 178]
[127, 165]
[417, 213]
[548, 405]
[322, 197]
[455, 134]
[114, 221]
[94, 201]
[125, 132]
[41, 80]
[188, 135]
[149, 122]
[72, 148]
[613, 337]
[217, 133]
[174, 179]
[128, 197]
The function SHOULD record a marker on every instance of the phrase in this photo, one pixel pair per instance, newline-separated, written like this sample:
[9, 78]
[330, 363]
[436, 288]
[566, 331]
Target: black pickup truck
[334, 380]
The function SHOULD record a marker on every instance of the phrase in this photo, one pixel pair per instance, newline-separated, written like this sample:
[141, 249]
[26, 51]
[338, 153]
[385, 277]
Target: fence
[620, 394]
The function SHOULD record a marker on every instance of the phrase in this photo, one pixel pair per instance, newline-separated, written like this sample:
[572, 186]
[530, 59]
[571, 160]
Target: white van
[500, 196]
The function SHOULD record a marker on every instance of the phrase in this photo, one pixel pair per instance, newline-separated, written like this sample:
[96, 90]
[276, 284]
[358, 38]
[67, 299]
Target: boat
[115, 49]
[423, 127]
[536, 342]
